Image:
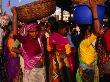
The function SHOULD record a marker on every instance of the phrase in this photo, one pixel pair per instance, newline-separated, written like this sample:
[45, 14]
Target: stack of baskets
[36, 10]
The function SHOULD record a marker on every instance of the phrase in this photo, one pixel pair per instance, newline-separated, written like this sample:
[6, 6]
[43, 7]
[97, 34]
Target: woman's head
[52, 22]
[85, 31]
[62, 27]
[86, 28]
[31, 29]
[33, 32]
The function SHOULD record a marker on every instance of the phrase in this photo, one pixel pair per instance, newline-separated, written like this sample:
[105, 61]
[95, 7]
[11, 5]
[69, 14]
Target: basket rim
[38, 2]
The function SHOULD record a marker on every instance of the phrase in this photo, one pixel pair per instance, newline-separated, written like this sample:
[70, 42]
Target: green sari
[87, 73]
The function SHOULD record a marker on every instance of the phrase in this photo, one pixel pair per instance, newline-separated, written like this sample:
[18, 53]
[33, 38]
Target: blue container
[83, 15]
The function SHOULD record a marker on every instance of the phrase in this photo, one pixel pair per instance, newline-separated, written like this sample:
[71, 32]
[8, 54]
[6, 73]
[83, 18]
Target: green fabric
[78, 76]
[16, 43]
[96, 76]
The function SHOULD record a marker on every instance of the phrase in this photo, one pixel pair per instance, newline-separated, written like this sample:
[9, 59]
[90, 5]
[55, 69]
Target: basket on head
[36, 10]
[86, 1]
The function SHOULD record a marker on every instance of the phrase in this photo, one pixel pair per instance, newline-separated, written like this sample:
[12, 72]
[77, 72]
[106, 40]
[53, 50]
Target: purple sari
[12, 65]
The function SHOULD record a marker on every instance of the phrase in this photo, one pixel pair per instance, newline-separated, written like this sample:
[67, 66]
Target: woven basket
[86, 1]
[36, 10]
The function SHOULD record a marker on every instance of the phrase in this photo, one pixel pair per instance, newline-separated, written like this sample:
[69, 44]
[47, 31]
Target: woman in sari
[103, 51]
[32, 51]
[14, 72]
[4, 33]
[88, 69]
[59, 49]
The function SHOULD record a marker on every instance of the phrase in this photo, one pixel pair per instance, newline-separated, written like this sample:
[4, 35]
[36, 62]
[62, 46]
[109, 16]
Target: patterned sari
[87, 73]
[59, 58]
[88, 69]
[13, 65]
[34, 70]
[103, 56]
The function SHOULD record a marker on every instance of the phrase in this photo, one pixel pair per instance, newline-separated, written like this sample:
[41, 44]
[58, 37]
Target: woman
[59, 49]
[103, 51]
[32, 51]
[88, 69]
[13, 64]
[4, 33]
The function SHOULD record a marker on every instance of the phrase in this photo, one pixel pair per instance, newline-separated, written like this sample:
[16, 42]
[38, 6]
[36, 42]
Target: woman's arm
[97, 25]
[14, 20]
[15, 25]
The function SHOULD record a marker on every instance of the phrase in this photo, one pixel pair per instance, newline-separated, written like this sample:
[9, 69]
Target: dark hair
[83, 29]
[54, 24]
[51, 19]
[62, 24]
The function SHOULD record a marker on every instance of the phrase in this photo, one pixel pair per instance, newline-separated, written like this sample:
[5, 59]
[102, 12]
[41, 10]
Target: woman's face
[33, 32]
[77, 29]
[63, 31]
[87, 34]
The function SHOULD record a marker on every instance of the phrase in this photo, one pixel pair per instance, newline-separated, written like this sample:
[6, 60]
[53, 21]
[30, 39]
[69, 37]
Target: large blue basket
[83, 14]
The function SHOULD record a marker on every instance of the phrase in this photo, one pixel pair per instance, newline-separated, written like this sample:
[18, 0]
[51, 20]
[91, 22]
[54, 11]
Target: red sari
[59, 49]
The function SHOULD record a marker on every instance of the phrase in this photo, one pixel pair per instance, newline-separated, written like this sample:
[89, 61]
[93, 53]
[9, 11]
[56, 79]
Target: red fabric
[107, 39]
[31, 46]
[59, 40]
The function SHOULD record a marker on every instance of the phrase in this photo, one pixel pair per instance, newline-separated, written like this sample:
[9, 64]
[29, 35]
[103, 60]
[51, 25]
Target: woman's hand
[93, 4]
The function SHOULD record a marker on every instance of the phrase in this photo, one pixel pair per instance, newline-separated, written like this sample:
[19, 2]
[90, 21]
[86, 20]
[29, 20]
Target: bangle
[96, 18]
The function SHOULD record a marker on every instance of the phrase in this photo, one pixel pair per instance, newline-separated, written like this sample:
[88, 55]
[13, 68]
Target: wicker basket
[86, 1]
[36, 10]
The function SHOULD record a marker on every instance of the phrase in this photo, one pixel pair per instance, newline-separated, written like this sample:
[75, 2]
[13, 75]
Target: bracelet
[95, 18]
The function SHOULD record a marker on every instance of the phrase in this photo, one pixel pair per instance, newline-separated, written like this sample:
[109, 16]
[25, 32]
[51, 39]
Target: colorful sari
[13, 64]
[3, 75]
[59, 49]
[88, 70]
[103, 56]
[34, 70]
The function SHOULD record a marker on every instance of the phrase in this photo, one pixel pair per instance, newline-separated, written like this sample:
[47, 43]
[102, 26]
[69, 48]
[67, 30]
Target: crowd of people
[54, 51]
